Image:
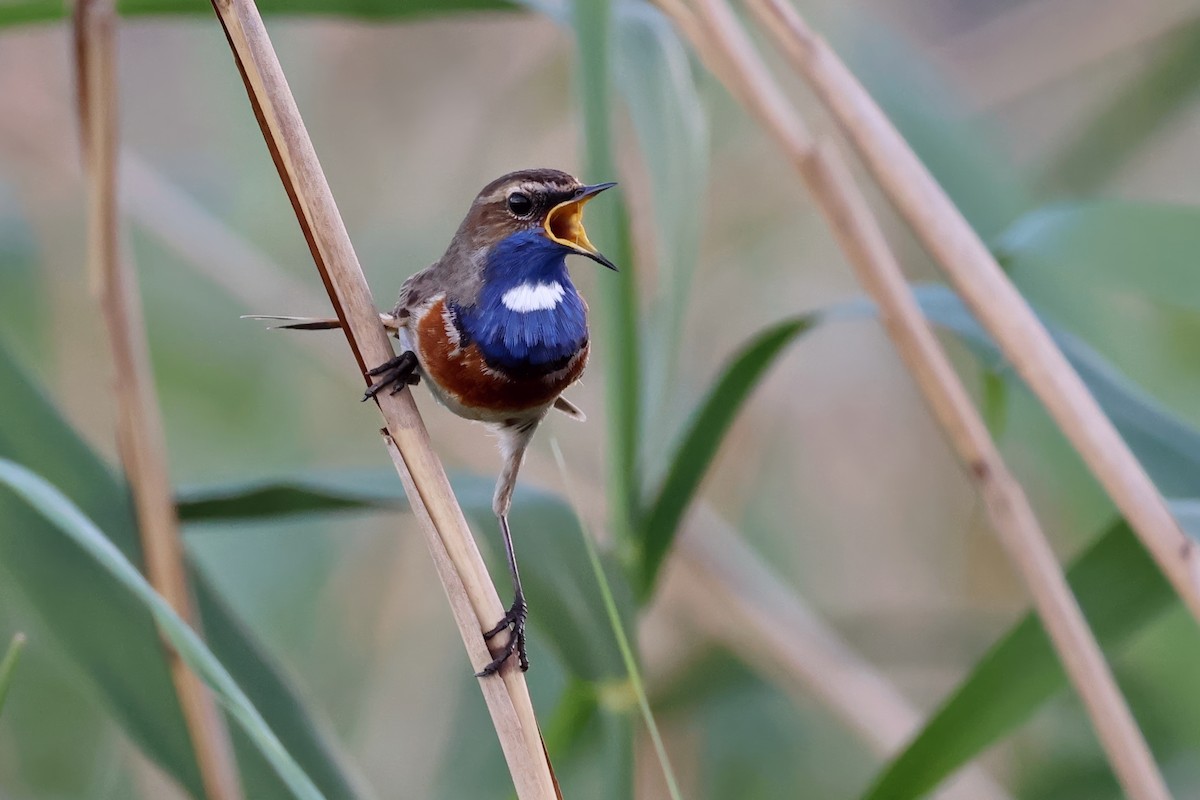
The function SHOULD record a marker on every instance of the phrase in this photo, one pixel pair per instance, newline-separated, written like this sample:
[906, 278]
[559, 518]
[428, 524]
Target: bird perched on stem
[498, 331]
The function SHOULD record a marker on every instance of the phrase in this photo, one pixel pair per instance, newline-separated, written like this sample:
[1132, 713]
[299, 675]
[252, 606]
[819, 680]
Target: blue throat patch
[527, 267]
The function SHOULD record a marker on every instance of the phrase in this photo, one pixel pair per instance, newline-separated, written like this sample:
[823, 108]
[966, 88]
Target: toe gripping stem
[514, 622]
[396, 372]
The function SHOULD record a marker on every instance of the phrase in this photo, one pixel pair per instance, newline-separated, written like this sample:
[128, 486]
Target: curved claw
[514, 622]
[397, 372]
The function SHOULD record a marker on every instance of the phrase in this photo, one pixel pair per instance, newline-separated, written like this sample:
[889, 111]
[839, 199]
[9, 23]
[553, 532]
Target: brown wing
[417, 290]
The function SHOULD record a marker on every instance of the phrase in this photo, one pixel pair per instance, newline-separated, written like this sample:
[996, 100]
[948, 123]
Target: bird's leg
[514, 439]
[513, 620]
[397, 372]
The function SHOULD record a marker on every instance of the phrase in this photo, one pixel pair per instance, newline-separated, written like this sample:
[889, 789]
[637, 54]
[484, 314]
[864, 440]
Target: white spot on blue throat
[526, 297]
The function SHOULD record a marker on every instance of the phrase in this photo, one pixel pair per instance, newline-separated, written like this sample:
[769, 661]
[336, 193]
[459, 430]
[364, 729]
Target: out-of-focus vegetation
[735, 367]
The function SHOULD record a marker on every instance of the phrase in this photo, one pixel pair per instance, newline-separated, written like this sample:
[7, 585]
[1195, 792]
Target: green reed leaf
[66, 518]
[592, 21]
[109, 635]
[567, 607]
[1165, 445]
[656, 81]
[1119, 588]
[702, 439]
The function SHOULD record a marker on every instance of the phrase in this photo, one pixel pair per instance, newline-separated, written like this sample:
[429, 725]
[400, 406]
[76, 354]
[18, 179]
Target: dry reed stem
[461, 570]
[781, 636]
[993, 299]
[140, 439]
[861, 238]
[732, 596]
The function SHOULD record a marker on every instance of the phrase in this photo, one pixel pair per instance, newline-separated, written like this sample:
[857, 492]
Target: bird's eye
[520, 204]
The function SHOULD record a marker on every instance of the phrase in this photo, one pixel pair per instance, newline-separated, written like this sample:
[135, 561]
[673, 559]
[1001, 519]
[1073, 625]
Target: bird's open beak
[564, 223]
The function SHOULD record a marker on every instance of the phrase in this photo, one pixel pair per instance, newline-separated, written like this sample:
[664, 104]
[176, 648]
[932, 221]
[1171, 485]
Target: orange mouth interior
[564, 224]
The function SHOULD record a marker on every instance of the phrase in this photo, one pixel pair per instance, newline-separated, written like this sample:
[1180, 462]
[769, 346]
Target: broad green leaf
[1124, 123]
[577, 707]
[102, 628]
[1117, 584]
[702, 439]
[290, 495]
[8, 665]
[753, 743]
[65, 517]
[17, 12]
[109, 635]
[1168, 448]
[24, 303]
[57, 740]
[1148, 249]
[1120, 590]
[1122, 276]
[592, 21]
[655, 79]
[565, 603]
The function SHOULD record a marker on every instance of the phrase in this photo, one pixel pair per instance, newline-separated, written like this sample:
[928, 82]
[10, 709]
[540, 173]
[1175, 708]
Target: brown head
[544, 200]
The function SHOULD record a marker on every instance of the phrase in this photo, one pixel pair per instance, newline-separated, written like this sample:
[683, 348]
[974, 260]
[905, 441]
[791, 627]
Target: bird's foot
[513, 622]
[396, 372]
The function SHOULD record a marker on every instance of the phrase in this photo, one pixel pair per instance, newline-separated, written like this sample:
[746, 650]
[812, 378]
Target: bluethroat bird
[497, 330]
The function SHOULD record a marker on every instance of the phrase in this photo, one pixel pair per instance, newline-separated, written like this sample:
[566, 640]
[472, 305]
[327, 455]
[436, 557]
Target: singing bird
[498, 331]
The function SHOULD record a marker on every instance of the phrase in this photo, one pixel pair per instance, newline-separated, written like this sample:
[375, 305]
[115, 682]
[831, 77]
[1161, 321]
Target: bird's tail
[315, 323]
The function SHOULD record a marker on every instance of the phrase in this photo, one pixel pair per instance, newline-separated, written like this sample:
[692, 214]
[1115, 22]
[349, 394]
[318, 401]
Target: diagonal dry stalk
[727, 592]
[139, 426]
[718, 582]
[718, 37]
[473, 598]
[993, 299]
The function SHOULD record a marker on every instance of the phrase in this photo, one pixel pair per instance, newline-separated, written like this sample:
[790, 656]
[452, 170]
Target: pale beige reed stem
[760, 619]
[461, 570]
[718, 36]
[993, 299]
[140, 437]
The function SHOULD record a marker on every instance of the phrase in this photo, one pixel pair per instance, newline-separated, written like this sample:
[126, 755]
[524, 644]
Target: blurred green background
[1066, 132]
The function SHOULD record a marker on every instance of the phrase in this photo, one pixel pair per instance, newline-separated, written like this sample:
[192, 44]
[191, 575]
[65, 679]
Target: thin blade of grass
[66, 516]
[702, 439]
[593, 22]
[618, 628]
[8, 665]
